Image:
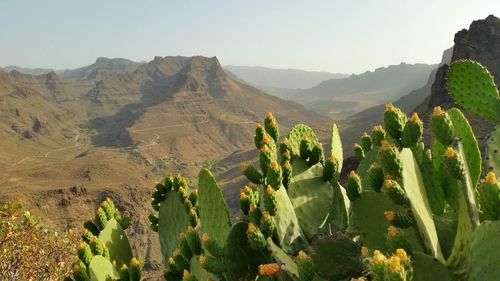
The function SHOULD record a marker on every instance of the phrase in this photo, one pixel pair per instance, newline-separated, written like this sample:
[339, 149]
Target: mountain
[31, 71]
[340, 98]
[281, 82]
[70, 143]
[102, 68]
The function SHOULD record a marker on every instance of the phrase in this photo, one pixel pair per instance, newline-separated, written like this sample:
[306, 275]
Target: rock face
[481, 42]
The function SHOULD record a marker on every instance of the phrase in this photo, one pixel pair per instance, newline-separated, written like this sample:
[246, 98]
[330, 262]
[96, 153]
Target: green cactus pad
[472, 86]
[336, 146]
[173, 219]
[214, 215]
[290, 235]
[101, 269]
[362, 170]
[432, 182]
[241, 260]
[116, 240]
[339, 212]
[311, 197]
[283, 259]
[493, 152]
[367, 218]
[199, 272]
[427, 268]
[416, 193]
[484, 255]
[446, 227]
[336, 257]
[463, 131]
[297, 134]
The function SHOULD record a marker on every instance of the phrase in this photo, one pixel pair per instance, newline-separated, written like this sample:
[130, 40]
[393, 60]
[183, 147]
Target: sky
[350, 36]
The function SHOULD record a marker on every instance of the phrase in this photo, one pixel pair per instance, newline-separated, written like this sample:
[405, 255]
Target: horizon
[257, 34]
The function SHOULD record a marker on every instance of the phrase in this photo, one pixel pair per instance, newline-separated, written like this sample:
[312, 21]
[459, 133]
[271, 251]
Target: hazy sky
[348, 36]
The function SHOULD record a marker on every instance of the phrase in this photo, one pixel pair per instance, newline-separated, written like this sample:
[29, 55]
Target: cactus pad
[282, 258]
[100, 269]
[115, 239]
[427, 268]
[472, 86]
[336, 146]
[484, 256]
[297, 134]
[493, 152]
[214, 215]
[311, 197]
[370, 158]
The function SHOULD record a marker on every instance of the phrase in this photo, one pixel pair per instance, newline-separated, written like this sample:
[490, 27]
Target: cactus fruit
[85, 253]
[366, 142]
[413, 131]
[274, 175]
[244, 203]
[441, 126]
[378, 134]
[317, 155]
[394, 121]
[305, 148]
[376, 176]
[193, 241]
[331, 170]
[255, 214]
[259, 135]
[454, 163]
[252, 174]
[267, 224]
[265, 158]
[354, 187]
[489, 196]
[390, 159]
[101, 218]
[211, 245]
[271, 127]
[305, 267]
[396, 239]
[269, 198]
[184, 246]
[398, 219]
[135, 270]
[395, 192]
[358, 152]
[80, 271]
[124, 273]
[211, 264]
[255, 237]
[287, 173]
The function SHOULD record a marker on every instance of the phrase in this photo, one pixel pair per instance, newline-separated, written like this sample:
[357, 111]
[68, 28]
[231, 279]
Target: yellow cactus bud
[378, 128]
[401, 253]
[365, 252]
[135, 262]
[392, 231]
[356, 145]
[352, 173]
[437, 111]
[244, 167]
[266, 138]
[246, 189]
[185, 274]
[251, 228]
[113, 263]
[385, 145]
[303, 256]
[124, 267]
[395, 264]
[450, 153]
[182, 235]
[266, 216]
[333, 158]
[190, 229]
[243, 196]
[275, 165]
[205, 238]
[375, 166]
[390, 215]
[83, 245]
[269, 269]
[389, 107]
[269, 190]
[389, 184]
[192, 211]
[265, 149]
[490, 178]
[378, 257]
[414, 118]
[365, 135]
[176, 252]
[259, 126]
[202, 260]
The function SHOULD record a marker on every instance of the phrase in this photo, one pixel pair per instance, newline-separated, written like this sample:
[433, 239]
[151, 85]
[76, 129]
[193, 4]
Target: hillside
[281, 82]
[340, 98]
[102, 68]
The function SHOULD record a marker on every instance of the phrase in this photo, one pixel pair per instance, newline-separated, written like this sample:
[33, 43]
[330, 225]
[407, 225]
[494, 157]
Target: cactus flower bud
[286, 156]
[109, 208]
[397, 239]
[365, 252]
[211, 246]
[124, 273]
[305, 148]
[366, 142]
[305, 267]
[267, 224]
[87, 236]
[255, 214]
[394, 120]
[285, 146]
[193, 217]
[274, 175]
[135, 270]
[287, 172]
[441, 126]
[331, 169]
[212, 264]
[354, 187]
[265, 158]
[101, 218]
[244, 203]
[256, 239]
[252, 174]
[395, 192]
[269, 269]
[454, 162]
[97, 246]
[399, 220]
[259, 135]
[193, 196]
[358, 152]
[390, 159]
[184, 246]
[489, 197]
[378, 134]
[193, 240]
[413, 131]
[85, 253]
[317, 155]
[270, 202]
[271, 127]
[376, 176]
[80, 271]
